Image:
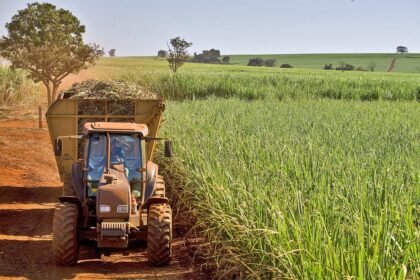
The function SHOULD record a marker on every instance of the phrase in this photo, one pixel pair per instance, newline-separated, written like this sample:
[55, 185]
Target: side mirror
[58, 147]
[168, 148]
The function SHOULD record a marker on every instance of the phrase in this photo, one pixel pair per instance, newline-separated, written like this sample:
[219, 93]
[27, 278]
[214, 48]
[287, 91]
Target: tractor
[112, 191]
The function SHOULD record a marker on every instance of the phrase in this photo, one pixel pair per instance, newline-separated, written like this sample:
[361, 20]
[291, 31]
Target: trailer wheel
[159, 234]
[159, 190]
[65, 243]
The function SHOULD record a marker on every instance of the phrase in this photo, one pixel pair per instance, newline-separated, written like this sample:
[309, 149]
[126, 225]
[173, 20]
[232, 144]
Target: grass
[16, 89]
[280, 84]
[299, 189]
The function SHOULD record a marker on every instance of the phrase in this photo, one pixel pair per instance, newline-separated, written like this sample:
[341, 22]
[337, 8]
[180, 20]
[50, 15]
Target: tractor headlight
[104, 208]
[123, 208]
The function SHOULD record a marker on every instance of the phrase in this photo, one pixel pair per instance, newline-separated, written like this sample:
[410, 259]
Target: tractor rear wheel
[159, 234]
[159, 190]
[65, 243]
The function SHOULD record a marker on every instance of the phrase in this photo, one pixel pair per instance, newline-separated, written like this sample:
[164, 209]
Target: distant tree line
[267, 63]
[371, 66]
[177, 54]
[210, 56]
[206, 56]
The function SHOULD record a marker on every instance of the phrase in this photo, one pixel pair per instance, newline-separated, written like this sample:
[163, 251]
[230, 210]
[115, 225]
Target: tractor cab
[109, 151]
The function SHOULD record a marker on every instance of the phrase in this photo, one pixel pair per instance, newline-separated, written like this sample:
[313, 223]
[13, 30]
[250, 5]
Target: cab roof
[115, 127]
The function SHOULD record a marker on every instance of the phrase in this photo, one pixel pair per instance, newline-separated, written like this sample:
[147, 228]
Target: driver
[96, 167]
[117, 151]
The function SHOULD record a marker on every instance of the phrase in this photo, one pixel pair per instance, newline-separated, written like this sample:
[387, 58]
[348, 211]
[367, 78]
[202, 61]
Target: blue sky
[244, 27]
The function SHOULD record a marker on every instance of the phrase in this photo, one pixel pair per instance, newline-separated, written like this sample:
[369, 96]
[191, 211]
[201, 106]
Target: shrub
[286, 65]
[328, 67]
[162, 53]
[226, 59]
[207, 56]
[345, 67]
[256, 62]
[360, 68]
[269, 62]
[112, 52]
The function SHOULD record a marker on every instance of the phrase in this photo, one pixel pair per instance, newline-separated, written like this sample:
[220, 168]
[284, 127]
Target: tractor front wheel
[159, 190]
[159, 234]
[65, 243]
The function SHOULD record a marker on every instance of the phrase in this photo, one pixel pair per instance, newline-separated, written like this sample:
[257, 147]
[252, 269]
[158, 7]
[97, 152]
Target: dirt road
[29, 188]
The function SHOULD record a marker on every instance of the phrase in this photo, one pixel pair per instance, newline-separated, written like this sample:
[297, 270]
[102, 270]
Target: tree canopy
[207, 56]
[162, 53]
[111, 52]
[402, 49]
[48, 43]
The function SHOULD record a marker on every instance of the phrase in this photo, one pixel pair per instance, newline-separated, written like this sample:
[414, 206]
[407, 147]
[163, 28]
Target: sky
[142, 27]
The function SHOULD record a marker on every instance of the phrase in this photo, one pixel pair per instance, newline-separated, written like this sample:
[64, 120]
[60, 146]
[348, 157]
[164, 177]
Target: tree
[255, 62]
[226, 59]
[47, 42]
[328, 67]
[286, 65]
[402, 49]
[345, 67]
[112, 52]
[207, 56]
[162, 53]
[269, 62]
[178, 53]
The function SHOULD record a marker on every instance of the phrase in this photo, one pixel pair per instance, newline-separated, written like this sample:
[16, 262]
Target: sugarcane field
[219, 140]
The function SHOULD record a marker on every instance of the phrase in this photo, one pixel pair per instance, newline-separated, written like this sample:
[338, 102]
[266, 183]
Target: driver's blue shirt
[117, 155]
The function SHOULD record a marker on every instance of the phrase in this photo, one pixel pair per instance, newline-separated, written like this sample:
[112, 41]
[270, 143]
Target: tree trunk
[54, 91]
[47, 85]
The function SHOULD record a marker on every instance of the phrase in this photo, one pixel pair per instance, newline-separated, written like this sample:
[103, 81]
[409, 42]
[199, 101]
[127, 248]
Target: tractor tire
[159, 190]
[68, 189]
[159, 234]
[65, 242]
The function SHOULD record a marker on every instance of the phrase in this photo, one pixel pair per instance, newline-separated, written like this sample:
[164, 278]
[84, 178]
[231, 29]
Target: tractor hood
[113, 198]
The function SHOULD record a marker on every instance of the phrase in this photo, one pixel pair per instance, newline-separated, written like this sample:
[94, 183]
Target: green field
[404, 63]
[293, 173]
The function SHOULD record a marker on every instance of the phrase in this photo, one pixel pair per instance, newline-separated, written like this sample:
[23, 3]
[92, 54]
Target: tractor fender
[155, 200]
[83, 209]
[77, 178]
[151, 174]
